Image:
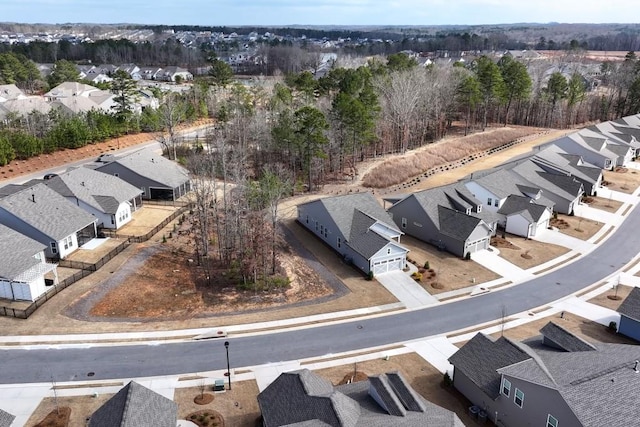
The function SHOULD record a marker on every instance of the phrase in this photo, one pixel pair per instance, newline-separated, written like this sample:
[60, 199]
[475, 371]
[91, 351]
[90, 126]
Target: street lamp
[226, 346]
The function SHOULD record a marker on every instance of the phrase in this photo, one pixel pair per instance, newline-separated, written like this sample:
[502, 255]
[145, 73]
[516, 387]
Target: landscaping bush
[613, 326]
[426, 265]
[417, 276]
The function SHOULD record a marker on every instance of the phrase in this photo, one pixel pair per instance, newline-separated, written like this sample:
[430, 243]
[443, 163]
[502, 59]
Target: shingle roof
[6, 419]
[47, 211]
[102, 191]
[630, 307]
[286, 402]
[456, 224]
[520, 204]
[155, 167]
[565, 339]
[136, 406]
[17, 253]
[481, 357]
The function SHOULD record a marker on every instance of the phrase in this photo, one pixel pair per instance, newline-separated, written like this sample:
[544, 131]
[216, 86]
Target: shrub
[467, 256]
[613, 326]
[417, 276]
[447, 379]
[426, 265]
[370, 275]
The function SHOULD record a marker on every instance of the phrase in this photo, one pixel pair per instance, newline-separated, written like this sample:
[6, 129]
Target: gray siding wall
[538, 403]
[629, 327]
[477, 397]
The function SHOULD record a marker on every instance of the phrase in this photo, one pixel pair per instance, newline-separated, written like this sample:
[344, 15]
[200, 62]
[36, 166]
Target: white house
[22, 266]
[523, 217]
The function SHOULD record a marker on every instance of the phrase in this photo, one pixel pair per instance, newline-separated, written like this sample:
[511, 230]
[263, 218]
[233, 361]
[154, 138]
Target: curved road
[122, 361]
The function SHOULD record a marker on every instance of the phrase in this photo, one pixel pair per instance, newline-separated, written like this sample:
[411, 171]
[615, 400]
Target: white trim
[515, 396]
[552, 424]
[504, 386]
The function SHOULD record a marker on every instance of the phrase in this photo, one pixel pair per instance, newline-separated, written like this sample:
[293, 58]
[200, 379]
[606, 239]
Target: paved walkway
[406, 290]
[490, 259]
[266, 374]
[436, 351]
[594, 214]
[587, 310]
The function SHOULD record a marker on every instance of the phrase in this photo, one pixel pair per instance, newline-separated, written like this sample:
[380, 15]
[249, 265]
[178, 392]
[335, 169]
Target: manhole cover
[90, 374]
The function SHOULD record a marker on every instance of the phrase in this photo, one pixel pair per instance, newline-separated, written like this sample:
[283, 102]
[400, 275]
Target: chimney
[33, 197]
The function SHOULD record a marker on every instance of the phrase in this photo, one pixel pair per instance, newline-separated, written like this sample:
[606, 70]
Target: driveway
[406, 290]
[490, 258]
[557, 238]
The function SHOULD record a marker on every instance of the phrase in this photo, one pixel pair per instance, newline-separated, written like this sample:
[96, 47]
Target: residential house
[523, 217]
[448, 217]
[45, 216]
[594, 148]
[22, 266]
[97, 78]
[358, 229]
[76, 97]
[108, 198]
[158, 177]
[173, 73]
[555, 160]
[9, 92]
[303, 398]
[136, 406]
[6, 419]
[625, 134]
[22, 107]
[150, 73]
[554, 380]
[630, 315]
[132, 70]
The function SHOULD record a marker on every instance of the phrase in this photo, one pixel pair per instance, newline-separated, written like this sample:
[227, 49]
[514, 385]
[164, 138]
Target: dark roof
[136, 406]
[6, 419]
[565, 339]
[519, 204]
[481, 357]
[303, 399]
[10, 189]
[457, 224]
[630, 307]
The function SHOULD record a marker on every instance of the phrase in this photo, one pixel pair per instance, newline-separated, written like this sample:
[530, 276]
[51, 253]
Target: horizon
[289, 13]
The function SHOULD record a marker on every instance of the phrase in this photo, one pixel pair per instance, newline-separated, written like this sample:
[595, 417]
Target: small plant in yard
[467, 256]
[164, 239]
[447, 379]
[417, 276]
[370, 275]
[426, 265]
[613, 327]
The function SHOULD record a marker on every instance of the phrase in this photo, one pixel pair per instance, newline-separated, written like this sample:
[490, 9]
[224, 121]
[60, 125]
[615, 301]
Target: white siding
[518, 225]
[483, 195]
[22, 291]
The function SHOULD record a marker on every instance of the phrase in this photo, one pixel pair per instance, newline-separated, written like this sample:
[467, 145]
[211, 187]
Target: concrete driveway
[405, 289]
[490, 258]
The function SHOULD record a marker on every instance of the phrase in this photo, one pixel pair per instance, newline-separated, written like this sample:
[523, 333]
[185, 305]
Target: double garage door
[384, 266]
[477, 245]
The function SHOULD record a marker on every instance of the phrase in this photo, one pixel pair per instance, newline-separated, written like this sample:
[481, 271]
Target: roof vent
[33, 197]
[635, 367]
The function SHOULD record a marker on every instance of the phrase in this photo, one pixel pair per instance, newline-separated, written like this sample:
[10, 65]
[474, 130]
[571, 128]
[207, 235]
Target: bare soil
[203, 399]
[527, 253]
[80, 408]
[575, 226]
[206, 418]
[602, 203]
[621, 179]
[57, 418]
[612, 298]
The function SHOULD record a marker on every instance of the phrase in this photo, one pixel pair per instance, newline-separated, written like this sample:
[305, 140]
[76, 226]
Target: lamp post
[226, 346]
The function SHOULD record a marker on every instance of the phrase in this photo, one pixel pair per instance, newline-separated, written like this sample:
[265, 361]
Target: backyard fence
[86, 268]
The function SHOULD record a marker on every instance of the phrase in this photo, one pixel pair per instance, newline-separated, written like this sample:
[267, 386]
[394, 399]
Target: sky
[317, 12]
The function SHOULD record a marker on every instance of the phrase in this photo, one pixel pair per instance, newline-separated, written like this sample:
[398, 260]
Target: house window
[54, 248]
[479, 208]
[307, 219]
[339, 242]
[66, 244]
[388, 251]
[489, 200]
[552, 421]
[404, 222]
[316, 225]
[518, 399]
[325, 232]
[506, 387]
[321, 230]
[495, 203]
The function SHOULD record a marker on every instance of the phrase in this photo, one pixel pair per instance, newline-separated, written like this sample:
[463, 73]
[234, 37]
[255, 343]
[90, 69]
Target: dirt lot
[94, 255]
[81, 408]
[575, 226]
[603, 203]
[526, 253]
[145, 219]
[622, 179]
[612, 298]
[451, 272]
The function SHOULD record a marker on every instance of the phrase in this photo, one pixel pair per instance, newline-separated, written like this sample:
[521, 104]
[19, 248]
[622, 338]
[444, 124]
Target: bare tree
[172, 111]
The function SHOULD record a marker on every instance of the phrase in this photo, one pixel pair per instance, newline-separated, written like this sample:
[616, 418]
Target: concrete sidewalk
[436, 351]
[587, 310]
[406, 290]
[557, 238]
[594, 214]
[490, 259]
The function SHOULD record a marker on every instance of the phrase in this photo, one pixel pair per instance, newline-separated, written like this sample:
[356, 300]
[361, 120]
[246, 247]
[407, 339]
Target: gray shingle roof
[565, 339]
[47, 211]
[9, 189]
[99, 190]
[154, 167]
[286, 402]
[456, 224]
[136, 406]
[481, 357]
[630, 307]
[17, 253]
[6, 419]
[520, 204]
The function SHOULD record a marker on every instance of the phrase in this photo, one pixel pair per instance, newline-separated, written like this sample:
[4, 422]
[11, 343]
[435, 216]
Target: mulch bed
[560, 224]
[203, 399]
[206, 418]
[56, 418]
[499, 242]
[351, 378]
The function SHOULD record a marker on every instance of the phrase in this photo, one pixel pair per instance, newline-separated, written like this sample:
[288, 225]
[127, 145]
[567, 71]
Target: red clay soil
[61, 158]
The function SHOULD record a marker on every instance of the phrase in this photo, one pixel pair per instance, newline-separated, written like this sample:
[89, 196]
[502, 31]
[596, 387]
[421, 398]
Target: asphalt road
[77, 364]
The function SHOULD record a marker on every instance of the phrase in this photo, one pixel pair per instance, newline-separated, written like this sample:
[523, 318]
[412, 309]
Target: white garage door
[386, 265]
[478, 245]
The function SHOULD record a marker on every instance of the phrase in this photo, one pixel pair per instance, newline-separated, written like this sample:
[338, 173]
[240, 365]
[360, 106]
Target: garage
[477, 245]
[384, 266]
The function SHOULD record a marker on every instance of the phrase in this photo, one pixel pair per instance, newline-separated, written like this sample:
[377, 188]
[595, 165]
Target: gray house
[555, 160]
[554, 380]
[136, 406]
[303, 398]
[358, 229]
[157, 177]
[45, 216]
[6, 419]
[448, 217]
[630, 315]
[108, 198]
